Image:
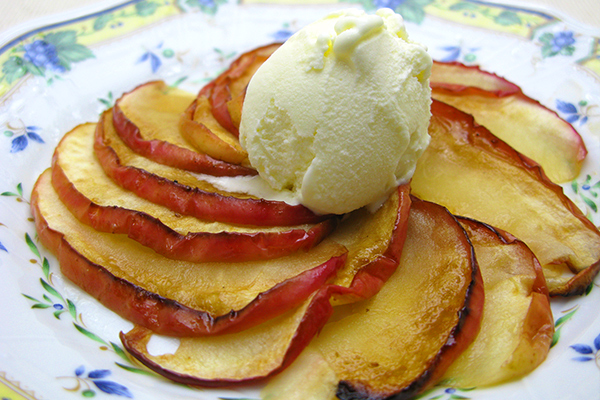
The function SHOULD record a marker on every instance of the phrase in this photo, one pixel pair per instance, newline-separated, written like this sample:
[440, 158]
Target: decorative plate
[58, 343]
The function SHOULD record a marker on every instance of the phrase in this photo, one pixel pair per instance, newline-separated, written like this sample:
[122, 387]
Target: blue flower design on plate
[43, 55]
[458, 53]
[47, 56]
[451, 394]
[562, 40]
[155, 59]
[562, 43]
[282, 35]
[393, 4]
[411, 10]
[577, 112]
[207, 6]
[588, 192]
[96, 377]
[21, 136]
[587, 352]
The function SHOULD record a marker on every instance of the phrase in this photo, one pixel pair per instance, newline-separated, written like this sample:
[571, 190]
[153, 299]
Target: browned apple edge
[194, 246]
[169, 154]
[464, 332]
[366, 283]
[193, 201]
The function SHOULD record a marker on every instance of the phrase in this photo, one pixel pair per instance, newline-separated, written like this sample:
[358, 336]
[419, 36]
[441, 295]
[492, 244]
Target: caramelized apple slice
[517, 325]
[200, 128]
[184, 192]
[243, 357]
[476, 175]
[524, 123]
[456, 76]
[399, 342]
[264, 350]
[97, 201]
[192, 299]
[147, 120]
[373, 255]
[174, 297]
[230, 86]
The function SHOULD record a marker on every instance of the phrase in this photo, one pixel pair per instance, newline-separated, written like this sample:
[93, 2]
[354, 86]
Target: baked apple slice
[517, 325]
[147, 120]
[525, 124]
[96, 200]
[193, 299]
[239, 358]
[264, 350]
[401, 341]
[184, 192]
[477, 175]
[457, 76]
[230, 86]
[174, 297]
[200, 128]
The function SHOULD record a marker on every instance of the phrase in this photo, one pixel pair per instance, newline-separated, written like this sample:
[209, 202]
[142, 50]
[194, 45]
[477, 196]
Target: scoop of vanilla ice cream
[339, 113]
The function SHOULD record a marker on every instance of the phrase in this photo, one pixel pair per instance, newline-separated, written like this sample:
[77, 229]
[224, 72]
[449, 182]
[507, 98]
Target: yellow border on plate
[496, 17]
[12, 390]
[129, 17]
[90, 30]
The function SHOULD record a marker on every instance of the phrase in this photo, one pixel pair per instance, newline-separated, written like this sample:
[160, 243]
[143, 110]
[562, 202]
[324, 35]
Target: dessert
[392, 281]
[338, 115]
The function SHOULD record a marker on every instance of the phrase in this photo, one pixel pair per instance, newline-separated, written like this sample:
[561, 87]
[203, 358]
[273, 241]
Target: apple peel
[78, 178]
[455, 76]
[475, 174]
[199, 127]
[517, 326]
[230, 86]
[524, 123]
[240, 358]
[173, 297]
[147, 120]
[185, 193]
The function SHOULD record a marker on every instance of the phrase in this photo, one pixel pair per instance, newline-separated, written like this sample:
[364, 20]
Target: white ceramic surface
[58, 343]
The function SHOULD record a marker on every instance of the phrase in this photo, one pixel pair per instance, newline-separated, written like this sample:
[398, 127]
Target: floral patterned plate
[58, 343]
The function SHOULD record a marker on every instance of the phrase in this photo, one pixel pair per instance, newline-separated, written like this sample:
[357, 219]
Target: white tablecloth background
[15, 12]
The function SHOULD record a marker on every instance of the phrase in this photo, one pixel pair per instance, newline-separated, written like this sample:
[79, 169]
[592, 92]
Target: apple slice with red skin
[241, 358]
[185, 193]
[517, 326]
[522, 122]
[171, 297]
[147, 120]
[258, 353]
[208, 124]
[475, 174]
[456, 76]
[199, 127]
[99, 202]
[194, 299]
[230, 86]
[496, 103]
[400, 342]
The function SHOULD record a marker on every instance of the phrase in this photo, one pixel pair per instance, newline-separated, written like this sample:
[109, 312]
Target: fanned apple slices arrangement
[368, 305]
